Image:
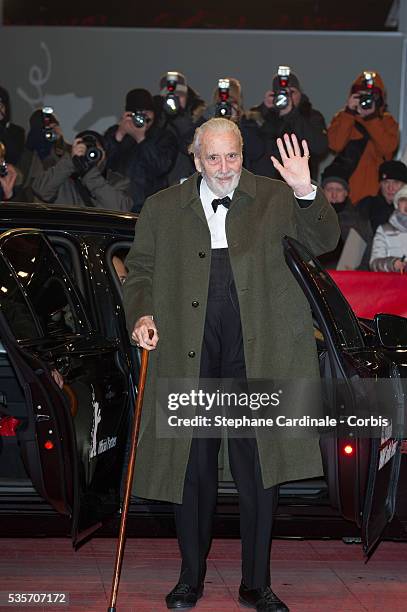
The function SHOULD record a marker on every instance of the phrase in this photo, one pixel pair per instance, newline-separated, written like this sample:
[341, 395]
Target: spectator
[377, 209]
[363, 136]
[389, 250]
[180, 111]
[336, 189]
[139, 149]
[11, 135]
[80, 178]
[298, 118]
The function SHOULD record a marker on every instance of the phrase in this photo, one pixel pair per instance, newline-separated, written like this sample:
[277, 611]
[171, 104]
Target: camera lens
[3, 169]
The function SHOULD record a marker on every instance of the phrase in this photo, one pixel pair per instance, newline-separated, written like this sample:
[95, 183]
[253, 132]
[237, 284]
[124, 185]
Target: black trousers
[223, 357]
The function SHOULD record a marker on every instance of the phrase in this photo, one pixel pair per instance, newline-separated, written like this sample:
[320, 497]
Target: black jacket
[146, 164]
[375, 210]
[349, 217]
[303, 121]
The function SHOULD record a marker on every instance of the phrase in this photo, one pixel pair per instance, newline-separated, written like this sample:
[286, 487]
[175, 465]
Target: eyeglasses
[215, 159]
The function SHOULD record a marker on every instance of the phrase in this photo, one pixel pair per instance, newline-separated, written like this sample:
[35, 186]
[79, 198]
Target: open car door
[362, 473]
[73, 438]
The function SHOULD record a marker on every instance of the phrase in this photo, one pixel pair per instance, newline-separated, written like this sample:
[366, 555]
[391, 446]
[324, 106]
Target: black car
[68, 376]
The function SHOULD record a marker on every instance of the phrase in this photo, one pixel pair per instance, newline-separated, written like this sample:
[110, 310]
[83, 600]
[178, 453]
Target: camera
[48, 119]
[171, 100]
[140, 118]
[93, 154]
[223, 107]
[366, 100]
[3, 165]
[282, 95]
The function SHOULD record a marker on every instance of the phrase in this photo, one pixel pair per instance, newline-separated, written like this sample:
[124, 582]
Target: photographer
[286, 109]
[227, 102]
[139, 149]
[44, 147]
[180, 111]
[364, 135]
[80, 178]
[8, 178]
[11, 135]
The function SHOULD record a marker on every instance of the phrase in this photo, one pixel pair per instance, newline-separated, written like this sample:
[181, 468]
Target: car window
[118, 257]
[15, 308]
[45, 283]
[340, 312]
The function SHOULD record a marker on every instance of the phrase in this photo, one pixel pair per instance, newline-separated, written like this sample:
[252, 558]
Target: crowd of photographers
[148, 150]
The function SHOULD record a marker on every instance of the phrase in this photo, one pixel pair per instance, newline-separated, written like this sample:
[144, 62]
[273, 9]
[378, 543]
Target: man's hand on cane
[295, 168]
[140, 333]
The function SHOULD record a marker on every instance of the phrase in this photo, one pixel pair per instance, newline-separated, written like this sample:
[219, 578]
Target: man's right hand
[78, 148]
[140, 333]
[269, 99]
[353, 102]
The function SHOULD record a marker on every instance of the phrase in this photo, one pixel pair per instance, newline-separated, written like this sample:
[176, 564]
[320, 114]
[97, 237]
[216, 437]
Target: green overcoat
[169, 265]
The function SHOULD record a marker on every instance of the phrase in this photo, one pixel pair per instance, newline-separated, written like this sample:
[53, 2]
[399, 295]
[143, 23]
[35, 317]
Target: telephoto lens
[366, 101]
[48, 118]
[3, 169]
[140, 119]
[93, 153]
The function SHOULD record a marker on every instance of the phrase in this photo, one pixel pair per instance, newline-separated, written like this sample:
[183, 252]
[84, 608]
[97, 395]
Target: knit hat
[139, 99]
[400, 195]
[360, 85]
[181, 86]
[334, 173]
[393, 169]
[292, 82]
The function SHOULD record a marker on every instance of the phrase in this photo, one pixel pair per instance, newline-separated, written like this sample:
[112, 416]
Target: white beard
[222, 190]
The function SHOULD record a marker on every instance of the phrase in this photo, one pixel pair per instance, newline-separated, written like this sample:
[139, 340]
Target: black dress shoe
[262, 600]
[183, 596]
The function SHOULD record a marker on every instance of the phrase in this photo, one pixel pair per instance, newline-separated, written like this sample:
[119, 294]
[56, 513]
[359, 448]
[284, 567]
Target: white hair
[218, 124]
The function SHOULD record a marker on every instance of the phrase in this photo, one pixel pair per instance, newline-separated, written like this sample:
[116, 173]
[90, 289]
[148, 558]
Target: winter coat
[375, 210]
[389, 243]
[303, 121]
[145, 164]
[59, 185]
[383, 132]
[169, 266]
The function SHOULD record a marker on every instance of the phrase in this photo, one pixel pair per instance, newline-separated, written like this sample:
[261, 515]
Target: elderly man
[207, 273]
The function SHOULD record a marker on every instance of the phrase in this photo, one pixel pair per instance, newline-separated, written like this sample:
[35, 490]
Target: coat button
[195, 304]
[202, 254]
[191, 354]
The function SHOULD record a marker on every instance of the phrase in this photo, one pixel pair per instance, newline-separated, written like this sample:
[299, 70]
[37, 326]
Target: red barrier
[372, 292]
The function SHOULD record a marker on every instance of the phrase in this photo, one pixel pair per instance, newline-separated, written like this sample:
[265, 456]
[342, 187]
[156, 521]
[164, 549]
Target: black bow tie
[223, 202]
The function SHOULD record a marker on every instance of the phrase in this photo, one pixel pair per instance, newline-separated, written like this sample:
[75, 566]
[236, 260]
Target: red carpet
[308, 575]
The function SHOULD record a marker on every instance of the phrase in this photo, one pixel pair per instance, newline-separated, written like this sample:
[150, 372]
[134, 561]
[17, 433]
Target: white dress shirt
[216, 221]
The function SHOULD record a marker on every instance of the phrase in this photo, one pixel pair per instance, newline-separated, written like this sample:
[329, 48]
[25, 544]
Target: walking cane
[129, 477]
